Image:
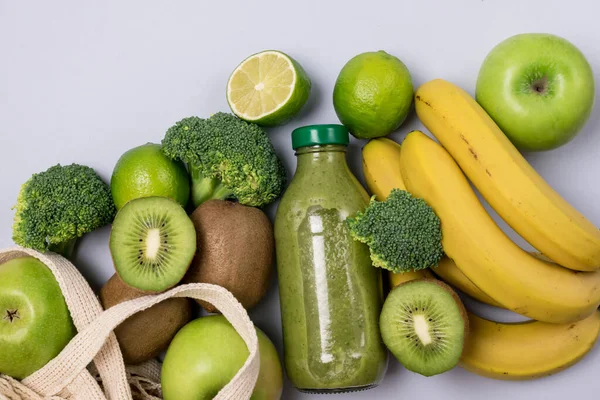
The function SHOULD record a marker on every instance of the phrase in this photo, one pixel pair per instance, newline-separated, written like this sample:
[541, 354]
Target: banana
[447, 271]
[519, 351]
[505, 179]
[381, 167]
[526, 350]
[485, 255]
[403, 277]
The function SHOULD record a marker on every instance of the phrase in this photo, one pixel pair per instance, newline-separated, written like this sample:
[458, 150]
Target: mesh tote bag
[91, 366]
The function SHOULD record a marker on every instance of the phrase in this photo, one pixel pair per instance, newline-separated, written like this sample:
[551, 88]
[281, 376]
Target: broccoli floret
[227, 158]
[56, 207]
[403, 233]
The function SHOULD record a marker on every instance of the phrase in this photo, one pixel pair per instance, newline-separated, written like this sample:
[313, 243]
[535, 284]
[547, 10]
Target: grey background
[85, 81]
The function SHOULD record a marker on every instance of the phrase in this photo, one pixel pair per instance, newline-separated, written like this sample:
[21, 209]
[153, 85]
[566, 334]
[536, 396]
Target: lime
[145, 171]
[373, 94]
[268, 88]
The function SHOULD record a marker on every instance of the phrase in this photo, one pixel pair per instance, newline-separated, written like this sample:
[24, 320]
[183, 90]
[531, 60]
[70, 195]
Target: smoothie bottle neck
[326, 159]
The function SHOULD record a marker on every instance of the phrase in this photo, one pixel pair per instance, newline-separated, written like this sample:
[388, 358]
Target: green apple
[35, 324]
[207, 353]
[538, 88]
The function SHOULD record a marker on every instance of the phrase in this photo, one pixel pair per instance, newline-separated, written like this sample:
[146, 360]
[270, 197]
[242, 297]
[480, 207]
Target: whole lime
[145, 171]
[207, 353]
[373, 94]
[35, 324]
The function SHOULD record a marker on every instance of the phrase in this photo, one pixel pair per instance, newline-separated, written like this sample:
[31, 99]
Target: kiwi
[145, 334]
[424, 324]
[152, 243]
[237, 248]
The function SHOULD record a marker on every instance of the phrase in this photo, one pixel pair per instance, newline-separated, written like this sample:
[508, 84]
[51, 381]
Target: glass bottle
[331, 295]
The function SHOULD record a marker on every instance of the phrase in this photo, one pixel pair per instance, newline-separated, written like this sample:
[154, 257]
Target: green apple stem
[540, 85]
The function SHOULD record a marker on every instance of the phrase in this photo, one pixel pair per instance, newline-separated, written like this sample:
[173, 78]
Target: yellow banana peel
[505, 179]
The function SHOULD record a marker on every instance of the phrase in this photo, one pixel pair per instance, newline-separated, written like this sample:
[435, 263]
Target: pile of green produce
[189, 210]
[155, 245]
[558, 290]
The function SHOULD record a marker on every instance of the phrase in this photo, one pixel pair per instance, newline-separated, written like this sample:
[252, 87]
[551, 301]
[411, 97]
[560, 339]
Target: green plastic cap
[317, 135]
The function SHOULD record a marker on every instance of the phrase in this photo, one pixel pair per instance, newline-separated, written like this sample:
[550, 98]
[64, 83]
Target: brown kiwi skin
[235, 250]
[447, 288]
[144, 335]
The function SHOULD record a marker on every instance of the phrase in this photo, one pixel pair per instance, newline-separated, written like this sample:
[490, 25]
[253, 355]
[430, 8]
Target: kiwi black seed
[424, 324]
[152, 243]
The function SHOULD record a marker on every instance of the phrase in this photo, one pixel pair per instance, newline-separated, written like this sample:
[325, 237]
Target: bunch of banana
[522, 283]
[381, 168]
[485, 264]
[509, 184]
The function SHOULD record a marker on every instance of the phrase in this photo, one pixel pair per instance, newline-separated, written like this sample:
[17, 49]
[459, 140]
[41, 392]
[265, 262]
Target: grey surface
[85, 81]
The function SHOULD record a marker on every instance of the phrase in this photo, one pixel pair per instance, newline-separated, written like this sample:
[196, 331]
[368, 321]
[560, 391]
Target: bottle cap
[316, 135]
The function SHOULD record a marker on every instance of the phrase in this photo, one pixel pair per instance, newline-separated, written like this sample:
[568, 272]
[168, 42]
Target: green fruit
[538, 88]
[373, 94]
[35, 324]
[424, 324]
[145, 171]
[152, 243]
[207, 353]
[268, 88]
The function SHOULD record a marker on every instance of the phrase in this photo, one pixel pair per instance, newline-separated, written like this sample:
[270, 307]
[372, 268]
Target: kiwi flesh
[145, 335]
[237, 248]
[424, 324]
[152, 243]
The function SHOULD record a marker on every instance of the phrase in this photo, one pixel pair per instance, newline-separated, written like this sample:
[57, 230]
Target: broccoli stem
[205, 188]
[65, 249]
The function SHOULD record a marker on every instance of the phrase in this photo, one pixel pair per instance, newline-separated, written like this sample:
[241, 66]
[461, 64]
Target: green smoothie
[330, 293]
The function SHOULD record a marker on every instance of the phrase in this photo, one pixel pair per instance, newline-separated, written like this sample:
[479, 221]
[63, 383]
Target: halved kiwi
[424, 324]
[152, 243]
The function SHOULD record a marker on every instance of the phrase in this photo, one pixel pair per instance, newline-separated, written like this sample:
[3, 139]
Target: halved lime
[268, 88]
